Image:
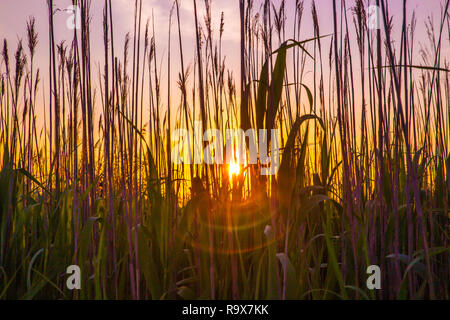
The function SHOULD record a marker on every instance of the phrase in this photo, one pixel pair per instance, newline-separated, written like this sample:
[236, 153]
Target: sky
[15, 13]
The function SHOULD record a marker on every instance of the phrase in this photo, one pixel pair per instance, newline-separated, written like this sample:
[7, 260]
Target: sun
[234, 169]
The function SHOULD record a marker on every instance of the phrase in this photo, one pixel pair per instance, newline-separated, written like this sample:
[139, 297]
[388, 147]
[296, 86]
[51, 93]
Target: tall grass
[364, 176]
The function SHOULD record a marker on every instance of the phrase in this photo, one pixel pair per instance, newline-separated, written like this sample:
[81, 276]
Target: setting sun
[234, 169]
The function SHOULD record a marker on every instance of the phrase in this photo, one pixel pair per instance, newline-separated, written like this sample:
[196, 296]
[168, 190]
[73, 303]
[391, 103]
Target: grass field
[364, 179]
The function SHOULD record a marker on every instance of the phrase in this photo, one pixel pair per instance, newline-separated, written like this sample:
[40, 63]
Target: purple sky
[15, 13]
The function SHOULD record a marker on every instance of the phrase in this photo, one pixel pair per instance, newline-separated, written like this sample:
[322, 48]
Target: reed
[364, 176]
